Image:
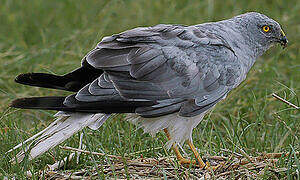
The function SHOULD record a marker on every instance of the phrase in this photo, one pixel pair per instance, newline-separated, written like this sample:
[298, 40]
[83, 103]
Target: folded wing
[179, 68]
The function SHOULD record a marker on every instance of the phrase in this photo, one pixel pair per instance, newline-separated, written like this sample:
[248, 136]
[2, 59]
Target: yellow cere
[266, 28]
[282, 33]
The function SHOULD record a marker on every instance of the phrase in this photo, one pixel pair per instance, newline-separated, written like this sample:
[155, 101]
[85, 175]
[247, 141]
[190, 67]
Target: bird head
[262, 30]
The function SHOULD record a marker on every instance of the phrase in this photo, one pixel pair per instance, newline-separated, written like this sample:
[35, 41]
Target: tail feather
[61, 129]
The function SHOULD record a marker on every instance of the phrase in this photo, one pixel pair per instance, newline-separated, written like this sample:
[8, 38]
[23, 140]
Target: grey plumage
[179, 70]
[177, 62]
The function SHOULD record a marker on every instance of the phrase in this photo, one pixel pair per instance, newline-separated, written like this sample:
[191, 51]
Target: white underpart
[180, 128]
[61, 129]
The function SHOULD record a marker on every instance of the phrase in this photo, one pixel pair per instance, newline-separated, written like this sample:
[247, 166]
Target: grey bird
[164, 77]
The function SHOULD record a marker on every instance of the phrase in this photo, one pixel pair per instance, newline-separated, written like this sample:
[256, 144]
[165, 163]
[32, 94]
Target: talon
[187, 162]
[208, 166]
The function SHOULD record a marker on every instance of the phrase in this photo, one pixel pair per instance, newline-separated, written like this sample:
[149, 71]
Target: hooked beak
[283, 40]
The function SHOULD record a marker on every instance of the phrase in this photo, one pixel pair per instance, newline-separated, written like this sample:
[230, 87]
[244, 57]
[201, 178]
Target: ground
[53, 36]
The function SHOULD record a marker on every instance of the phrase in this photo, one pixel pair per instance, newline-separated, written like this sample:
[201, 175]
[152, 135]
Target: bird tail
[65, 125]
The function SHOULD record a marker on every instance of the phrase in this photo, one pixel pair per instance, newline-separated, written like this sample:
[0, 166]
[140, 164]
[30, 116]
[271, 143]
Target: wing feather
[163, 63]
[102, 58]
[139, 70]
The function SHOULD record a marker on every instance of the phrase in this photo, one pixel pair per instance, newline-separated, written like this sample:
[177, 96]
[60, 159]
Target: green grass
[53, 36]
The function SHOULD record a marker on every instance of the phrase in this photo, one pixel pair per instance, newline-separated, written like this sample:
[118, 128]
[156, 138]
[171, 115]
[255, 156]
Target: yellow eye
[266, 28]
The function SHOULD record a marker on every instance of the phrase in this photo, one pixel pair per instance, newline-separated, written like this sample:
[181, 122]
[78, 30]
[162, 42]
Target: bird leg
[180, 158]
[199, 159]
[184, 161]
[197, 156]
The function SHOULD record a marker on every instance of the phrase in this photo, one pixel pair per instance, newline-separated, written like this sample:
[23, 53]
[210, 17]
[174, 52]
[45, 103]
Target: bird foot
[187, 162]
[208, 166]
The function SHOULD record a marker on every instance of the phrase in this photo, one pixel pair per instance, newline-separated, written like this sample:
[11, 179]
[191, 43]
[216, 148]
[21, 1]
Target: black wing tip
[19, 103]
[25, 78]
[31, 78]
[21, 78]
[47, 102]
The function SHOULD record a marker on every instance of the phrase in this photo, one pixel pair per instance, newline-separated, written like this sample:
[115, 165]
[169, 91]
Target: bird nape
[164, 77]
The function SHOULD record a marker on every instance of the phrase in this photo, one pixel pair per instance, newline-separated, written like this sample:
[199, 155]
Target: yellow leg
[197, 156]
[199, 159]
[180, 158]
[184, 161]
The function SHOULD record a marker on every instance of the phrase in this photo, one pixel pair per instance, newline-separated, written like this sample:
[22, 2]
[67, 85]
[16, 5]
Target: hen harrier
[165, 77]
